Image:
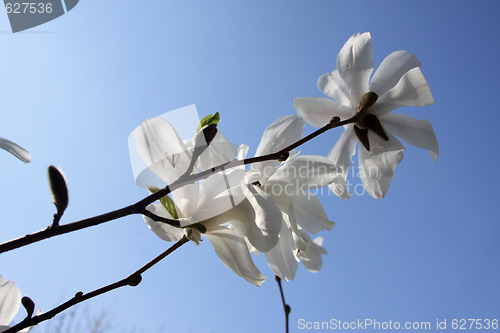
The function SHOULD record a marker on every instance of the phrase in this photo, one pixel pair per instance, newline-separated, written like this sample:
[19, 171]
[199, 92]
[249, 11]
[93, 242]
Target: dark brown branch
[132, 280]
[138, 208]
[286, 307]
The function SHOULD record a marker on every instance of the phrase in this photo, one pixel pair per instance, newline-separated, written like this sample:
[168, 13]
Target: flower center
[368, 121]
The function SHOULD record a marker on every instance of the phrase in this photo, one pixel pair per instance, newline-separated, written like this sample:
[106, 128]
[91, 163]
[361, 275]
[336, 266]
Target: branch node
[134, 280]
[283, 157]
[334, 121]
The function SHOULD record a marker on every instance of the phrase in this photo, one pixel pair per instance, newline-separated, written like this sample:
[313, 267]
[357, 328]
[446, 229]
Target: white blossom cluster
[268, 208]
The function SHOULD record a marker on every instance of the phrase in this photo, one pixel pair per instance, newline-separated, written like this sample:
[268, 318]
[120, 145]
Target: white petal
[302, 173]
[318, 112]
[233, 252]
[390, 71]
[378, 165]
[355, 64]
[280, 134]
[10, 301]
[280, 258]
[262, 230]
[15, 150]
[309, 214]
[417, 132]
[311, 256]
[186, 198]
[331, 84]
[411, 90]
[219, 151]
[161, 149]
[163, 230]
[242, 151]
[219, 193]
[256, 218]
[341, 156]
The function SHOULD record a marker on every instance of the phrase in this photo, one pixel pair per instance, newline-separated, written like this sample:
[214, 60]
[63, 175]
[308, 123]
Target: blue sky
[72, 90]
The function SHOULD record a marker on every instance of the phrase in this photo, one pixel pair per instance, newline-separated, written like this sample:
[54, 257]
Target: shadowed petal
[318, 112]
[163, 230]
[280, 134]
[411, 90]
[232, 250]
[417, 132]
[161, 149]
[15, 150]
[378, 165]
[309, 214]
[311, 257]
[331, 84]
[280, 258]
[341, 156]
[302, 173]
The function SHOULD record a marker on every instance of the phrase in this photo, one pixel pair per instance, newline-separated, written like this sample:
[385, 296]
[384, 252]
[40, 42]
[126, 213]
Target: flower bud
[29, 305]
[59, 189]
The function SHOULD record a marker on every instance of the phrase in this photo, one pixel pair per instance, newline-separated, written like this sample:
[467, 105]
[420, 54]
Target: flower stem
[132, 280]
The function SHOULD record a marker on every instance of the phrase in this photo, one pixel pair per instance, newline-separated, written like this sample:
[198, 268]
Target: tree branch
[132, 280]
[286, 307]
[139, 207]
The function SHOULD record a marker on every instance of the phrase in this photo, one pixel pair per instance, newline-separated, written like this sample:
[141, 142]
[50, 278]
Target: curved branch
[138, 207]
[132, 280]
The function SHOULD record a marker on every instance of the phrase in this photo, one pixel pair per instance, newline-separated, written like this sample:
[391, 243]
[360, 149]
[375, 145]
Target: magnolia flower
[15, 150]
[222, 208]
[397, 82]
[288, 184]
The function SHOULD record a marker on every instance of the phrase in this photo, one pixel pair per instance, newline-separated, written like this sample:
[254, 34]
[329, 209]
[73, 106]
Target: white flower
[230, 211]
[288, 184]
[397, 82]
[15, 150]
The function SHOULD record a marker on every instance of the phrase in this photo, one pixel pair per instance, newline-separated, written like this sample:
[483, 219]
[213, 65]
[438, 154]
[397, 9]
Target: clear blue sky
[73, 89]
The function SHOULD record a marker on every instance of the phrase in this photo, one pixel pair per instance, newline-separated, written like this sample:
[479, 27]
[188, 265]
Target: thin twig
[132, 280]
[286, 307]
[138, 207]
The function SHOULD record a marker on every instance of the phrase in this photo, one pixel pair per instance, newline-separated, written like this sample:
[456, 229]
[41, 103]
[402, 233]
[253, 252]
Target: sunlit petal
[390, 71]
[10, 301]
[355, 64]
